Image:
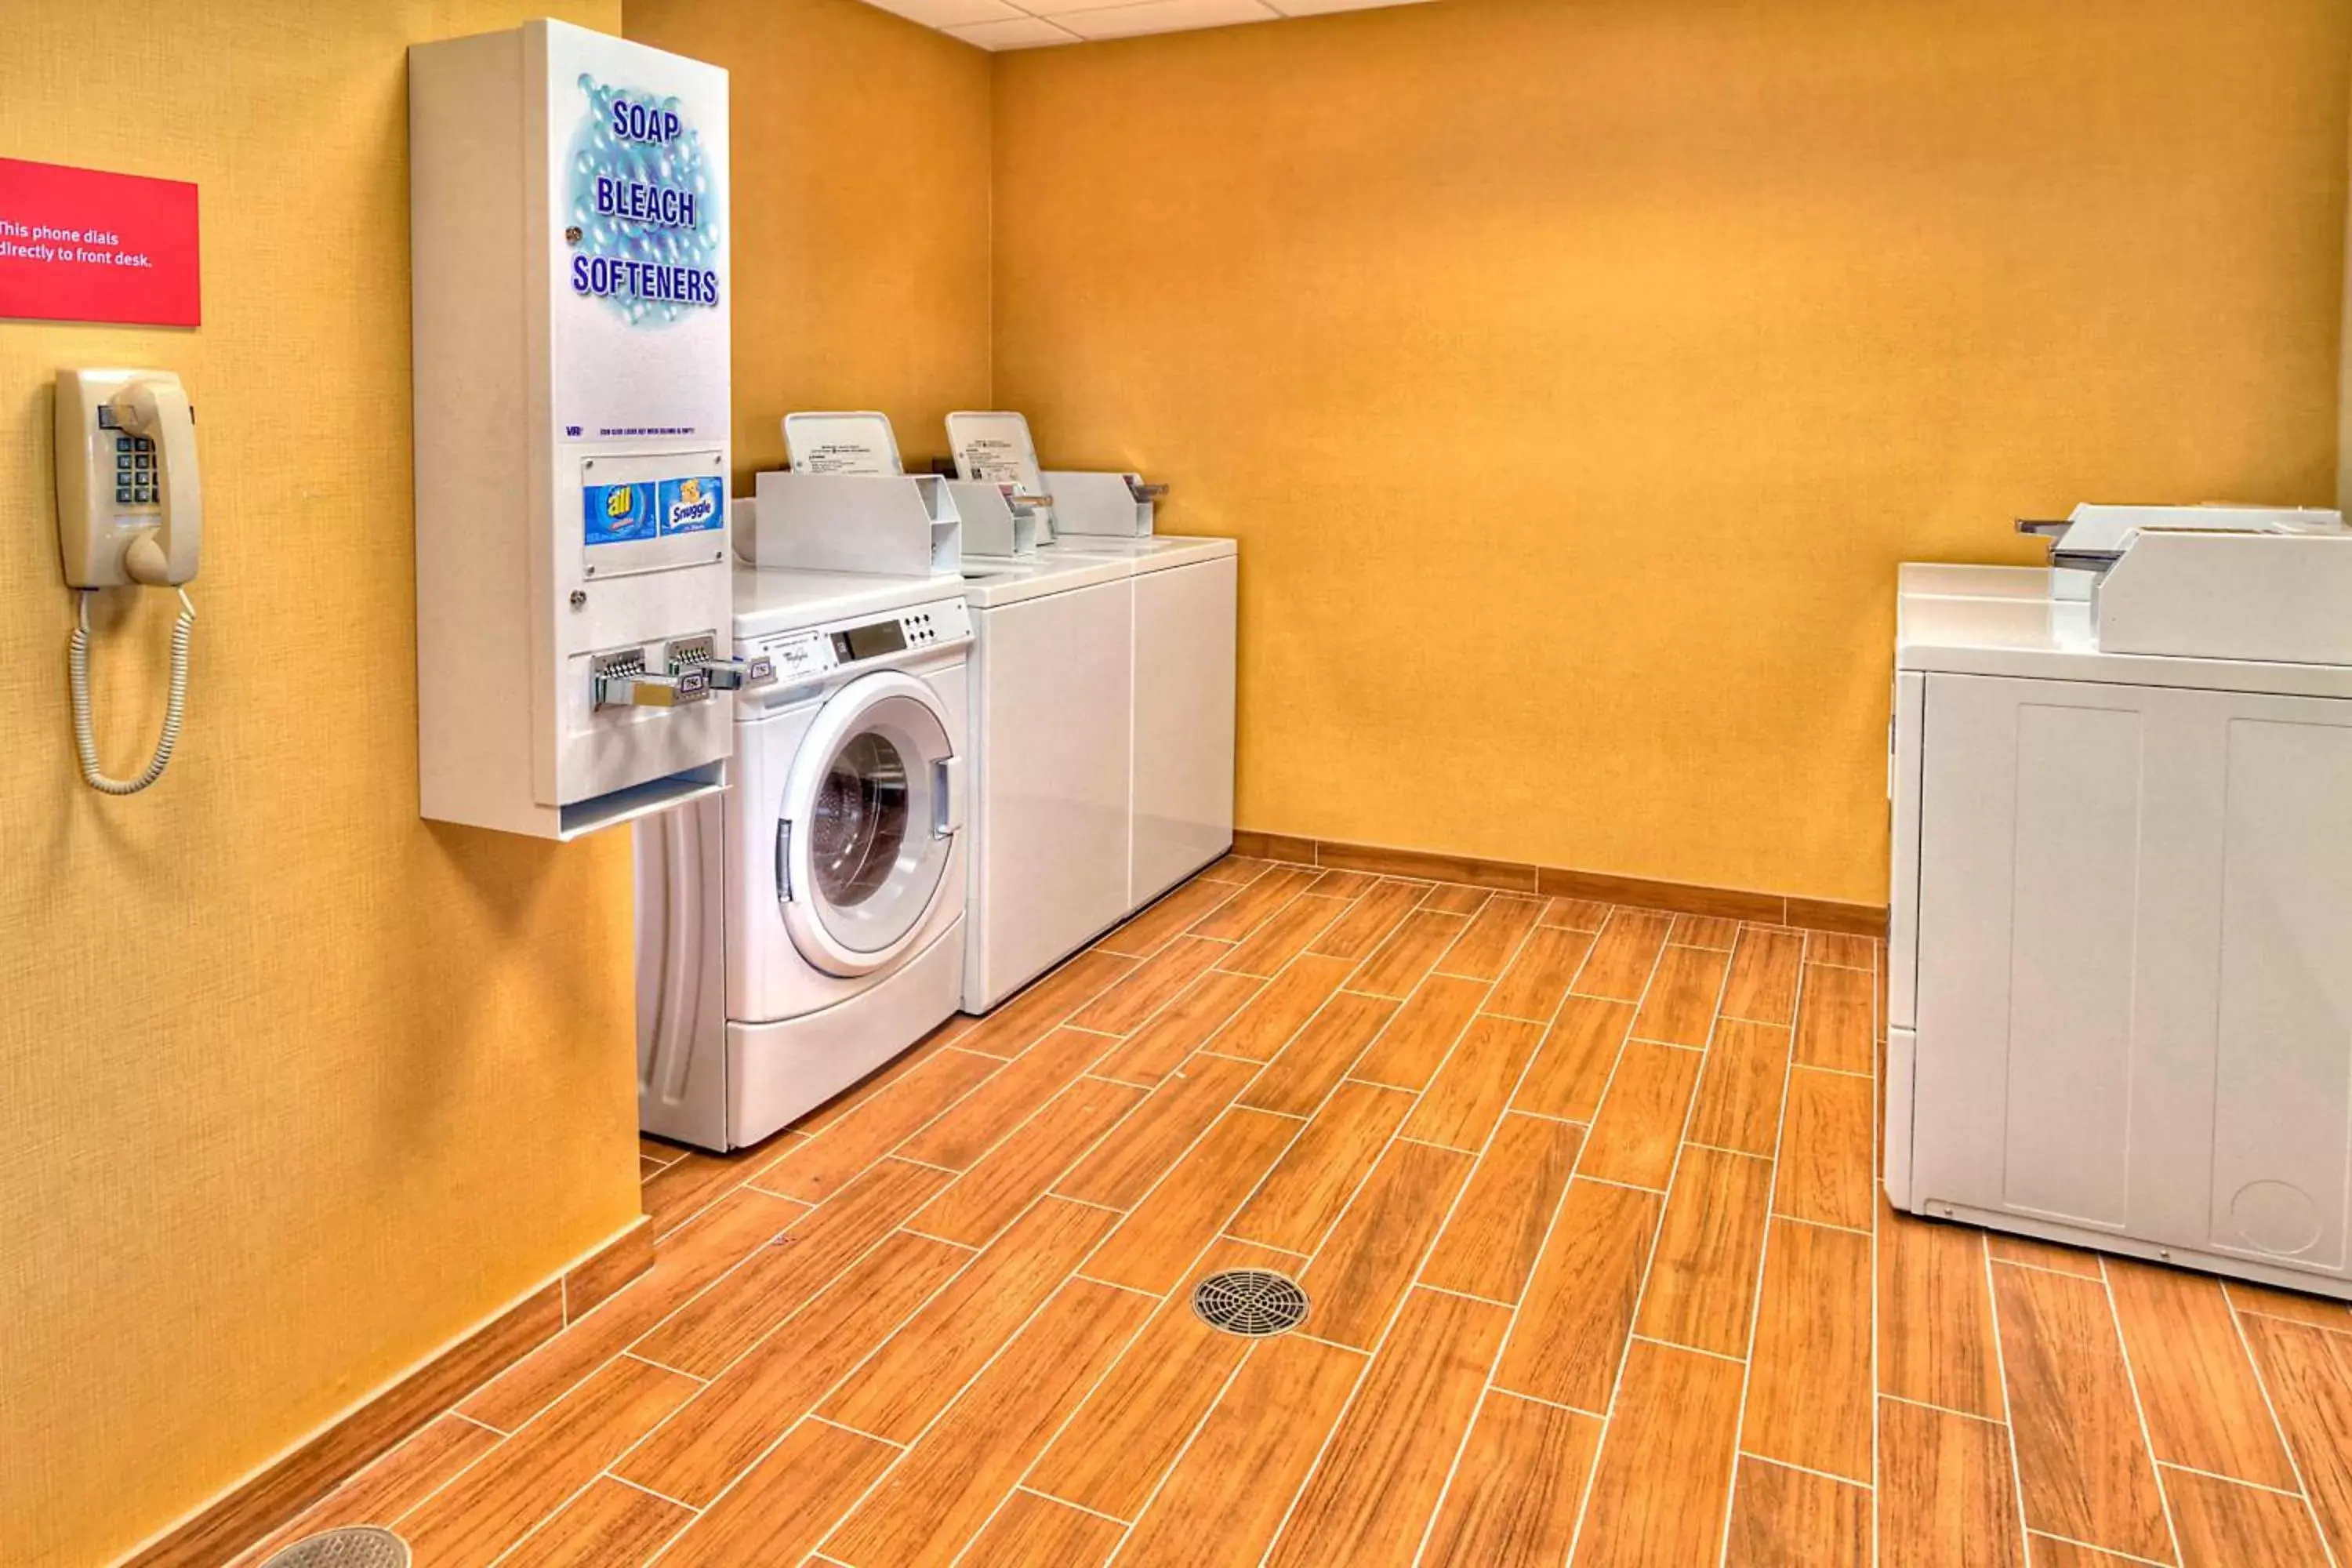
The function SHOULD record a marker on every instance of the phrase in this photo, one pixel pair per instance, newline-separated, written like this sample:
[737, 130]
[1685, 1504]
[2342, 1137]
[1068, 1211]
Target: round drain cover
[1252, 1302]
[354, 1546]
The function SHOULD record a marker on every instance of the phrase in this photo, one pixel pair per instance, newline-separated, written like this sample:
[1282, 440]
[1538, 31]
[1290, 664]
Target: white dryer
[1183, 656]
[808, 925]
[1052, 713]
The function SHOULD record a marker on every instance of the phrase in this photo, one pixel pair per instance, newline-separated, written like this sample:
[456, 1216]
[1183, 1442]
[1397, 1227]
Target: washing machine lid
[1153, 552]
[866, 825]
[990, 582]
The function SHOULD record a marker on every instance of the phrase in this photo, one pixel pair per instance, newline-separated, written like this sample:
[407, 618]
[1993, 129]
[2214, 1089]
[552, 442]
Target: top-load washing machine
[1182, 656]
[808, 925]
[1052, 714]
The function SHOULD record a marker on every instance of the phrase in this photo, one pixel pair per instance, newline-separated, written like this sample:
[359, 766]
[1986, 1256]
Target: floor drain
[354, 1546]
[1252, 1302]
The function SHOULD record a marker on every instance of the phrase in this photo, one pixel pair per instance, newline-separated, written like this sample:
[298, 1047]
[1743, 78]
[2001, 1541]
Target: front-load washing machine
[806, 925]
[1053, 712]
[1182, 655]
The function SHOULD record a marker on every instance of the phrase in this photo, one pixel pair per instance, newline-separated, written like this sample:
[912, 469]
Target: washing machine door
[868, 817]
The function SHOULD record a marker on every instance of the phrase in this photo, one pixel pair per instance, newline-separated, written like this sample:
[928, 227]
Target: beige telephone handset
[130, 512]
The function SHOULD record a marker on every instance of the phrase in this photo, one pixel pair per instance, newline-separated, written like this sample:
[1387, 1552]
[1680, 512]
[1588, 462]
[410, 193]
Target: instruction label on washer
[997, 448]
[861, 444]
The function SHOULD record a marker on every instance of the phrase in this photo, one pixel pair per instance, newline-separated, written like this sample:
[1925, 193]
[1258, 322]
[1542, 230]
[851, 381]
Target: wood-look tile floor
[1584, 1200]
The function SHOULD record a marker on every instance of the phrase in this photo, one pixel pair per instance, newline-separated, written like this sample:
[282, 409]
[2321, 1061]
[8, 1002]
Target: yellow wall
[1576, 375]
[861, 146]
[293, 1088]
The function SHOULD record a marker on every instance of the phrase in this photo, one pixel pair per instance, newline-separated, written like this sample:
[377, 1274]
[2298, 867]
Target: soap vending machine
[569, 222]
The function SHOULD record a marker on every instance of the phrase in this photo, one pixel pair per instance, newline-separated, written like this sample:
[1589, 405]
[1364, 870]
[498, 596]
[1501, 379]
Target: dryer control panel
[815, 653]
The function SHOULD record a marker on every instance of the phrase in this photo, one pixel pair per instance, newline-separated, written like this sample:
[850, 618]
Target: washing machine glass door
[865, 828]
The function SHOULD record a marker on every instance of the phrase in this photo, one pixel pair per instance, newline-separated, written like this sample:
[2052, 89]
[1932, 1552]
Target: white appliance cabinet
[2119, 991]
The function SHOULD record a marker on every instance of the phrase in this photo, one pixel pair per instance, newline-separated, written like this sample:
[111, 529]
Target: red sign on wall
[81, 245]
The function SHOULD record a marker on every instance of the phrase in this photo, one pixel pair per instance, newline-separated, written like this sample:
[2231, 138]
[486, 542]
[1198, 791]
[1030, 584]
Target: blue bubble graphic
[678, 165]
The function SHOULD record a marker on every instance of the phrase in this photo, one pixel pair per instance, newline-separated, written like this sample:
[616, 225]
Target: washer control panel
[802, 657]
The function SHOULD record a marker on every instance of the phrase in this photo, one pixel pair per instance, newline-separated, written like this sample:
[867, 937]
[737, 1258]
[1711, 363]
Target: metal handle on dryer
[784, 859]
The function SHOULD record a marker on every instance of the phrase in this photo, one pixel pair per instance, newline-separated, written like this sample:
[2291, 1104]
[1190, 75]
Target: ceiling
[1033, 24]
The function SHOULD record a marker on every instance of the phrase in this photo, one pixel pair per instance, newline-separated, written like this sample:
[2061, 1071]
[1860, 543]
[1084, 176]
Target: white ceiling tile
[1020, 33]
[1324, 7]
[951, 13]
[1020, 23]
[1065, 7]
[1165, 17]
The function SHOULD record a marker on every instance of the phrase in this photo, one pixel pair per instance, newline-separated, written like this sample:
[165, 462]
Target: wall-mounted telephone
[130, 512]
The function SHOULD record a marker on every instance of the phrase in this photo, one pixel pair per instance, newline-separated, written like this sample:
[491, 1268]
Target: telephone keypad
[137, 481]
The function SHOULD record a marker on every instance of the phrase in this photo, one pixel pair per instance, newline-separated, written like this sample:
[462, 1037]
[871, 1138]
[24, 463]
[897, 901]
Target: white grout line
[1749, 1454]
[2000, 1261]
[1948, 1409]
[1747, 1154]
[1430, 1143]
[1695, 1349]
[1115, 1284]
[1464, 1295]
[2087, 1546]
[2230, 1481]
[640, 1486]
[862, 1432]
[1546, 1115]
[1823, 1224]
[1063, 1502]
[644, 1360]
[1629, 1186]
[1841, 1072]
[909, 1159]
[1789, 1024]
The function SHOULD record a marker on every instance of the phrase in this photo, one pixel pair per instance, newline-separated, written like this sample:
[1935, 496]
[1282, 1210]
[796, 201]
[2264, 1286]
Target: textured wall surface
[861, 213]
[1577, 375]
[293, 1087]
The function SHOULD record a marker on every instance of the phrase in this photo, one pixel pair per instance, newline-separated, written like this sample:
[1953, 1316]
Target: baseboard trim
[1512, 875]
[274, 1495]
